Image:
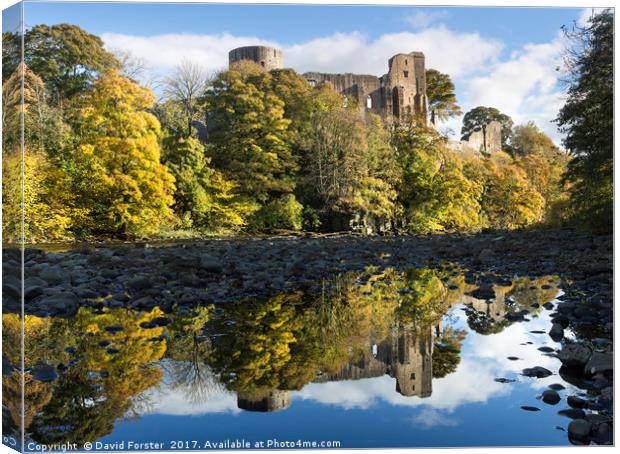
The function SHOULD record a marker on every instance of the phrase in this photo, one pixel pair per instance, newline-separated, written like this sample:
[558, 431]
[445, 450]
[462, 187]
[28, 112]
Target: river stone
[210, 264]
[484, 292]
[556, 332]
[63, 301]
[138, 283]
[550, 397]
[561, 320]
[557, 387]
[579, 429]
[12, 291]
[573, 413]
[606, 397]
[538, 372]
[575, 355]
[44, 373]
[52, 274]
[603, 434]
[576, 402]
[529, 408]
[599, 362]
[113, 329]
[32, 292]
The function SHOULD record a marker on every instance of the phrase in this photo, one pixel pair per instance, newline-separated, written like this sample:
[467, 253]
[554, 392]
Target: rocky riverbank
[142, 276]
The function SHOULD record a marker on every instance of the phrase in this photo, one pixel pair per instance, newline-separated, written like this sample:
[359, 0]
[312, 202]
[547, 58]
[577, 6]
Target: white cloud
[449, 51]
[163, 52]
[524, 86]
[430, 417]
[424, 19]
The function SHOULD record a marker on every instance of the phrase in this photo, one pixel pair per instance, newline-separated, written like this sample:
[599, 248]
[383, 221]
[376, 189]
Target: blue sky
[504, 57]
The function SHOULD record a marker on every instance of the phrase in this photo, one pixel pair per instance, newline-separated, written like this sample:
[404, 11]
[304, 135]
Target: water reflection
[85, 373]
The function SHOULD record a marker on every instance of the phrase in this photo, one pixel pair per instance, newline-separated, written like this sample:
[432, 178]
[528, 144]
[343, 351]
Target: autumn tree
[442, 102]
[434, 193]
[120, 177]
[65, 56]
[249, 139]
[509, 199]
[480, 117]
[587, 120]
[204, 198]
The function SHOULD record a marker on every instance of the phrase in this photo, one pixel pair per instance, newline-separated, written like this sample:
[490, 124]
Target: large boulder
[575, 355]
[599, 362]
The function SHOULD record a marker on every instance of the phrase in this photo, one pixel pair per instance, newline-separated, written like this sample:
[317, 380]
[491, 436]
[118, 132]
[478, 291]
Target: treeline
[245, 150]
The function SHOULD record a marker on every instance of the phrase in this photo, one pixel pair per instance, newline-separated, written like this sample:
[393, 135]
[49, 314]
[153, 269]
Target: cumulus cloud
[449, 51]
[524, 86]
[163, 52]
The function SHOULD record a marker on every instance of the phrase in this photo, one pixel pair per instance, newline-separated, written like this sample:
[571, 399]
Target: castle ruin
[394, 96]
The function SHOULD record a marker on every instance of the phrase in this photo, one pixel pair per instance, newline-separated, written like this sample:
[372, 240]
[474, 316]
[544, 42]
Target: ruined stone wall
[493, 136]
[406, 83]
[267, 57]
[396, 94]
[412, 365]
[487, 140]
[358, 87]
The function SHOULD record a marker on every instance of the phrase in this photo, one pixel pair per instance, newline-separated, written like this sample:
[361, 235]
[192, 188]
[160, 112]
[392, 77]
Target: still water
[421, 358]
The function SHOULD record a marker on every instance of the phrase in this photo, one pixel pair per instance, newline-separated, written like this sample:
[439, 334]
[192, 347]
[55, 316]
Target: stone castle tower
[268, 57]
[395, 95]
[274, 400]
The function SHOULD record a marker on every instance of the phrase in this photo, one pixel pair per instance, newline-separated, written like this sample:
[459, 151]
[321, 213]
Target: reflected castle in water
[406, 355]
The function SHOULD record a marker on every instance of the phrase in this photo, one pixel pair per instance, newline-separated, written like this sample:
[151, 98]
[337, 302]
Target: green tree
[480, 117]
[509, 199]
[203, 198]
[588, 122]
[528, 139]
[119, 175]
[434, 192]
[249, 138]
[65, 56]
[442, 102]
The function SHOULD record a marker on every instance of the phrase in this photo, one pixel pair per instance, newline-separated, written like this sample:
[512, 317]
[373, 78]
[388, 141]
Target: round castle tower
[268, 57]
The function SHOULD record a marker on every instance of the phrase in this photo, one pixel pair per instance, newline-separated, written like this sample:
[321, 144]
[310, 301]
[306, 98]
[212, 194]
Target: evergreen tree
[587, 120]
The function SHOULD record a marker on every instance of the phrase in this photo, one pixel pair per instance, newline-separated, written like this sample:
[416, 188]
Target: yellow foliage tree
[120, 173]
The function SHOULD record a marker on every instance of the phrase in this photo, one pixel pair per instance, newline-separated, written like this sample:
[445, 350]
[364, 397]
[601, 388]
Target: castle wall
[356, 86]
[485, 140]
[493, 136]
[395, 95]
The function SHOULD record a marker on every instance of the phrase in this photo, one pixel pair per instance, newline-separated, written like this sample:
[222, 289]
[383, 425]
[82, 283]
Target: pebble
[579, 429]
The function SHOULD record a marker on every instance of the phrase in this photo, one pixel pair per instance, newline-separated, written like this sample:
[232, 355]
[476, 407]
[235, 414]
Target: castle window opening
[368, 102]
[312, 82]
[262, 63]
[412, 376]
[406, 73]
[405, 62]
